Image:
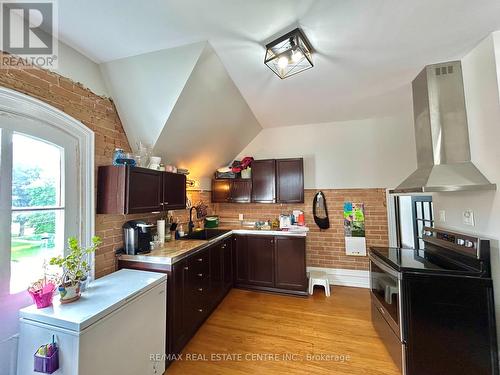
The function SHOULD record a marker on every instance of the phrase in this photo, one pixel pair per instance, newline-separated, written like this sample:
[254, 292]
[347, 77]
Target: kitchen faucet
[191, 223]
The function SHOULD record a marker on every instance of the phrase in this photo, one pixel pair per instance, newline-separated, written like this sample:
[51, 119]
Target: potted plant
[75, 268]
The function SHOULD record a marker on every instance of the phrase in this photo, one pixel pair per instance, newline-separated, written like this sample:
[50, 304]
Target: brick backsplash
[324, 248]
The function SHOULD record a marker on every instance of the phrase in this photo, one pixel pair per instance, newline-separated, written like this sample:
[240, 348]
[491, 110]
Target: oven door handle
[385, 267]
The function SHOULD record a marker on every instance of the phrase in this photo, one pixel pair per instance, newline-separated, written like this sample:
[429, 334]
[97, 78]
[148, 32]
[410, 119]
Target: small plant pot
[69, 292]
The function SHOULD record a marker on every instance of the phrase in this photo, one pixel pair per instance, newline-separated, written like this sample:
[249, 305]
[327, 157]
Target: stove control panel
[458, 242]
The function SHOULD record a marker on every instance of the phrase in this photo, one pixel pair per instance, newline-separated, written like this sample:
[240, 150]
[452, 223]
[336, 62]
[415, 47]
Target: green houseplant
[75, 267]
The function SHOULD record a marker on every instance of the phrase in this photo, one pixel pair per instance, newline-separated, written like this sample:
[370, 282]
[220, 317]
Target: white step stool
[319, 278]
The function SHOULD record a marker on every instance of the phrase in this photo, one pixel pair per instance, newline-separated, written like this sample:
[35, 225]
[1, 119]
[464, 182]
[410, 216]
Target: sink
[205, 234]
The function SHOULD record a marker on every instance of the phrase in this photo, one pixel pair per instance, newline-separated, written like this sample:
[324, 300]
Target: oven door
[385, 285]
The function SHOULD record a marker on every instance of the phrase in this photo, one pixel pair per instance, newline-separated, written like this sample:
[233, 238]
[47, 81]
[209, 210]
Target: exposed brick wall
[324, 248]
[99, 114]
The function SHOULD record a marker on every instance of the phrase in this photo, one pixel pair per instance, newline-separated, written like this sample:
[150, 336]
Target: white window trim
[13, 103]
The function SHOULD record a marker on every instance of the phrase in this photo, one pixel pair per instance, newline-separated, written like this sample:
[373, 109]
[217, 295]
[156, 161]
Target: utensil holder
[47, 365]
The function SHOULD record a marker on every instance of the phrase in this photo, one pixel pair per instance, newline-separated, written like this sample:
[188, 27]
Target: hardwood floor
[337, 331]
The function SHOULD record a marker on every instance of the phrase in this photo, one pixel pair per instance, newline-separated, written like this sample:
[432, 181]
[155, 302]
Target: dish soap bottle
[180, 230]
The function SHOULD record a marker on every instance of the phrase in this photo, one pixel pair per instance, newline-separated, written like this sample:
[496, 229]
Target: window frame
[17, 106]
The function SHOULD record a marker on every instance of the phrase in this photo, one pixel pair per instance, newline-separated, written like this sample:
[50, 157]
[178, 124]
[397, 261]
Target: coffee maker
[137, 236]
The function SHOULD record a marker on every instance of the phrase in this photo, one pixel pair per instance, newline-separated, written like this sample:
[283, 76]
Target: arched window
[38, 221]
[46, 191]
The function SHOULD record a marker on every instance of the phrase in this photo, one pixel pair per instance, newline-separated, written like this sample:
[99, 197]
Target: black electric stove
[434, 307]
[411, 260]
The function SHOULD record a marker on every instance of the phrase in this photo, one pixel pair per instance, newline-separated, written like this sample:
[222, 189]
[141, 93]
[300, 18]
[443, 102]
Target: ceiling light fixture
[289, 54]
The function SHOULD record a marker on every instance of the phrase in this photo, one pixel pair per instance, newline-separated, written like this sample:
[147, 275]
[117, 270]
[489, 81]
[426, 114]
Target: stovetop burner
[415, 260]
[445, 252]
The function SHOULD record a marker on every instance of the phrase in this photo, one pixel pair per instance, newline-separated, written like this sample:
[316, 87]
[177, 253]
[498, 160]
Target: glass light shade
[289, 54]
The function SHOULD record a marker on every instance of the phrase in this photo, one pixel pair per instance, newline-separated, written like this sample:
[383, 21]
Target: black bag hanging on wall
[320, 212]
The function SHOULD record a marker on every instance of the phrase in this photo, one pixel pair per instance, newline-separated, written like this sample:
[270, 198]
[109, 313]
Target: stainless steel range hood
[442, 134]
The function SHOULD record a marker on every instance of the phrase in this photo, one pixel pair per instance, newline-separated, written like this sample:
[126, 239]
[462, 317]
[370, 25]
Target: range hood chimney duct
[442, 134]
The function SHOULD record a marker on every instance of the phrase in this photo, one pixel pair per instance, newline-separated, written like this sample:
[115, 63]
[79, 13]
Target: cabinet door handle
[200, 289]
[165, 203]
[200, 259]
[186, 268]
[200, 275]
[200, 310]
[224, 246]
[272, 241]
[161, 204]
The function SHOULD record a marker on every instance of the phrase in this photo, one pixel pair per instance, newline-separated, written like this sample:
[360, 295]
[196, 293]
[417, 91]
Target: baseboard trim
[344, 277]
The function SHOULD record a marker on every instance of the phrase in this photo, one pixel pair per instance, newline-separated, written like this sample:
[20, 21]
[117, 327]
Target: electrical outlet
[442, 216]
[468, 217]
[240, 217]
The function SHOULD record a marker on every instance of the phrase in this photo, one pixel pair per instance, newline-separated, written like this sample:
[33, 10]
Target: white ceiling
[367, 51]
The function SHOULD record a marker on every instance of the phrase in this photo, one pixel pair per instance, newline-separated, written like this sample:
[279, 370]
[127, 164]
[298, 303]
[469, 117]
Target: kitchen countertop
[173, 251]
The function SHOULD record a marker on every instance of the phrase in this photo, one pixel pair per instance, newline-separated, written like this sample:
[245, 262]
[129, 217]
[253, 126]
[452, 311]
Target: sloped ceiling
[210, 123]
[146, 87]
[365, 51]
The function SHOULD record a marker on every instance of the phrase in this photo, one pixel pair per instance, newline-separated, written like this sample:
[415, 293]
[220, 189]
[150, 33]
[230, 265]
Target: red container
[43, 298]
[301, 220]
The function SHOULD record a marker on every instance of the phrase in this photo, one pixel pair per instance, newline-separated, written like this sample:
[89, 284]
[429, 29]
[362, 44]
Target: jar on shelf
[118, 156]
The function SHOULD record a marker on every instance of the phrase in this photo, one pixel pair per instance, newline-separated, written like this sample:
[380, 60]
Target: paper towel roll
[160, 225]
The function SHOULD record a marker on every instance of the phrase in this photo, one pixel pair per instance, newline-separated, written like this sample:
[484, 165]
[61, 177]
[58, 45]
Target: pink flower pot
[43, 297]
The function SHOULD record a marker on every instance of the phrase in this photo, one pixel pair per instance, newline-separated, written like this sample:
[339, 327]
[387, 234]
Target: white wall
[377, 152]
[145, 88]
[210, 123]
[72, 64]
[480, 69]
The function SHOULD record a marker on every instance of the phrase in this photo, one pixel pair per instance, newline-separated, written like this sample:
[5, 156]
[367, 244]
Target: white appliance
[117, 327]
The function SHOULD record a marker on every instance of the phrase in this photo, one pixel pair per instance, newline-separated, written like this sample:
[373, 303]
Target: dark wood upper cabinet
[144, 190]
[273, 181]
[260, 260]
[133, 190]
[241, 191]
[174, 191]
[231, 191]
[126, 190]
[290, 259]
[221, 191]
[264, 181]
[290, 180]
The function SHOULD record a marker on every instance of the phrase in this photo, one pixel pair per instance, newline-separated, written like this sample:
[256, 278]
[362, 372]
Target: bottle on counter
[180, 231]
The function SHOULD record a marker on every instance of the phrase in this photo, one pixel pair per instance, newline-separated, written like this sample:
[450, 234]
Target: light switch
[468, 217]
[240, 217]
[442, 216]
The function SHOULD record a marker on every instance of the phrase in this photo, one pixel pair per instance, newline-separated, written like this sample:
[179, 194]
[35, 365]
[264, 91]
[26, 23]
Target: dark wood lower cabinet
[290, 263]
[198, 283]
[240, 256]
[270, 263]
[260, 259]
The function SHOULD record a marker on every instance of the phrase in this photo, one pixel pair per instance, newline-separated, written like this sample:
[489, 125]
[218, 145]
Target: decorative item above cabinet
[272, 181]
[132, 190]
